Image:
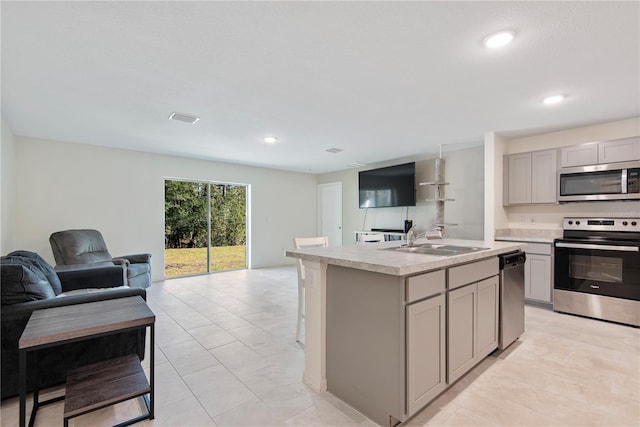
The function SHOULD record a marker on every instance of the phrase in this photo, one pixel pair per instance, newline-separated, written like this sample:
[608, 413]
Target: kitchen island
[387, 331]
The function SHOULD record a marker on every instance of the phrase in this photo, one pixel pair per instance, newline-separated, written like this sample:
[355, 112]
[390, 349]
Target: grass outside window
[189, 261]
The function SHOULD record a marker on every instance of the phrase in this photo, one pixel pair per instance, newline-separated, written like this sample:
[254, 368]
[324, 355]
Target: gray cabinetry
[462, 331]
[530, 177]
[518, 179]
[426, 357]
[488, 300]
[617, 150]
[389, 339]
[544, 168]
[538, 272]
[472, 315]
[579, 155]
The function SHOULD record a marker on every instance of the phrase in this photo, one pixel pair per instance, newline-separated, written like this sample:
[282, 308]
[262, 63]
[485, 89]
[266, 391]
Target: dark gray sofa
[29, 283]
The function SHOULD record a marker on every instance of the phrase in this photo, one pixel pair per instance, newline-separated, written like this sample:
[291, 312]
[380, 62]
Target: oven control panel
[602, 224]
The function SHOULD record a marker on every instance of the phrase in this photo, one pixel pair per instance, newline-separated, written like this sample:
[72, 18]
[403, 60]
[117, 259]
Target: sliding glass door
[205, 227]
[228, 241]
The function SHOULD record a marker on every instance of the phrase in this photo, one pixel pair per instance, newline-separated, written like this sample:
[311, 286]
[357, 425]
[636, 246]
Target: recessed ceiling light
[184, 118]
[497, 40]
[270, 139]
[550, 100]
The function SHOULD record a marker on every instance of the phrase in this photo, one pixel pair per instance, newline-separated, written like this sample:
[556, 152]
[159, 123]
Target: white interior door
[330, 212]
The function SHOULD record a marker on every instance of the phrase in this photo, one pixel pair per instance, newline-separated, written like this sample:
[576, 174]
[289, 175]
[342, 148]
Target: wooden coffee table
[101, 384]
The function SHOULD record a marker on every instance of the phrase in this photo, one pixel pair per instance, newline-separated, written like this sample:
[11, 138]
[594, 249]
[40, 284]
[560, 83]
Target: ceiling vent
[333, 150]
[184, 118]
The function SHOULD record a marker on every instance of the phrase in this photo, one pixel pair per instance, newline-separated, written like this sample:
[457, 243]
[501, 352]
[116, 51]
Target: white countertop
[528, 239]
[373, 257]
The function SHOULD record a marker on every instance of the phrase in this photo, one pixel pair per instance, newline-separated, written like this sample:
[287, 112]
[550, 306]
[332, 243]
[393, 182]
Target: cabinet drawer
[538, 248]
[468, 273]
[425, 285]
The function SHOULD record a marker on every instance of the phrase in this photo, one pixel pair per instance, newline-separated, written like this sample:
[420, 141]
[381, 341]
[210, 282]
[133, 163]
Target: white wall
[121, 193]
[550, 216]
[7, 193]
[463, 169]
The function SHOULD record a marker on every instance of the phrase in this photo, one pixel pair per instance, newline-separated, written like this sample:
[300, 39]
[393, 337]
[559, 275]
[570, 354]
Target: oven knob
[577, 222]
[634, 223]
[570, 222]
[625, 223]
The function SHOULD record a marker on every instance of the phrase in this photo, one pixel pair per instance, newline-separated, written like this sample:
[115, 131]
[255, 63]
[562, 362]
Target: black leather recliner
[88, 247]
[29, 283]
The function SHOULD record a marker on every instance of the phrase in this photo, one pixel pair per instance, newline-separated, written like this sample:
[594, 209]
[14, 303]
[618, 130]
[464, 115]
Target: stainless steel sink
[437, 249]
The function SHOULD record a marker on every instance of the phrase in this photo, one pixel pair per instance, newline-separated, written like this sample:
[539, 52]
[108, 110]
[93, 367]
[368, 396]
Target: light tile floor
[226, 356]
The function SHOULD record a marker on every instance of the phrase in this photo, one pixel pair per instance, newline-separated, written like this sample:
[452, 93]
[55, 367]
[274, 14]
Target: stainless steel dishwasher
[511, 297]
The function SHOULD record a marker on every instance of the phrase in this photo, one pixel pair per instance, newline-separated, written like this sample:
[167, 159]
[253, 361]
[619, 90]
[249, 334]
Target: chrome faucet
[412, 236]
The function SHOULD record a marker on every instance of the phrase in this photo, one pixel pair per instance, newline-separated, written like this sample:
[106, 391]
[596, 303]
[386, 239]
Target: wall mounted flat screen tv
[388, 187]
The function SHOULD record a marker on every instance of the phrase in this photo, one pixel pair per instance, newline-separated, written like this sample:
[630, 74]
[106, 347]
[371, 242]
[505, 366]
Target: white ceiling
[380, 80]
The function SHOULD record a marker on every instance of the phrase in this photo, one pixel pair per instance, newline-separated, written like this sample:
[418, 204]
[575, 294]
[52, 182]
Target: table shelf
[104, 383]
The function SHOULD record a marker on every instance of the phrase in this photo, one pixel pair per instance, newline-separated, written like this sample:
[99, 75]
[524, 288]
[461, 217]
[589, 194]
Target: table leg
[22, 386]
[152, 368]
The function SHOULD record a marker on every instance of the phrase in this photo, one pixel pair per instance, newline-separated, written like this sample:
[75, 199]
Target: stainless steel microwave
[614, 181]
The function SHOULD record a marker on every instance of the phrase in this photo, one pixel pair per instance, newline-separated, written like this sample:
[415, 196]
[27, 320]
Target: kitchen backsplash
[528, 232]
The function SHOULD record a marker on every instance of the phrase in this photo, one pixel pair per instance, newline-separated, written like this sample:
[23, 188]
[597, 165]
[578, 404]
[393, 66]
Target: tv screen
[388, 187]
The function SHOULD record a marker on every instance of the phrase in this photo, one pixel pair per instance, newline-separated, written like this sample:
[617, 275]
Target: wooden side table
[101, 384]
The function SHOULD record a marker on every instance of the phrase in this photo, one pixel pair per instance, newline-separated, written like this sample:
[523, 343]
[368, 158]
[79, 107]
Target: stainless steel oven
[597, 269]
[614, 181]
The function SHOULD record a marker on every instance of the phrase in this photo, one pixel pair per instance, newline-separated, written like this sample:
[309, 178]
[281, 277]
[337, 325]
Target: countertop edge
[421, 265]
[545, 240]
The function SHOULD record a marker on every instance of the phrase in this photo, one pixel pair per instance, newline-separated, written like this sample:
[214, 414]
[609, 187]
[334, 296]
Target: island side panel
[315, 325]
[366, 341]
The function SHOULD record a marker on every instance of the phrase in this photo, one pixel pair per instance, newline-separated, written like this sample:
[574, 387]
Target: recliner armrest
[121, 261]
[137, 258]
[99, 275]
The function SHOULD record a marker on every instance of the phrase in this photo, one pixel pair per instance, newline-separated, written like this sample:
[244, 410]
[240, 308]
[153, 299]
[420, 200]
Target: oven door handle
[598, 247]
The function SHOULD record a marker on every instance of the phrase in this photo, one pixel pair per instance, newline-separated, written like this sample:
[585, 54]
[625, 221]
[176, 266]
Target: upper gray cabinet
[617, 150]
[530, 177]
[579, 155]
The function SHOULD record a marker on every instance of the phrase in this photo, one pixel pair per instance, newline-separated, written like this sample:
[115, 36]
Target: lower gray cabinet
[472, 319]
[462, 330]
[537, 278]
[488, 300]
[426, 357]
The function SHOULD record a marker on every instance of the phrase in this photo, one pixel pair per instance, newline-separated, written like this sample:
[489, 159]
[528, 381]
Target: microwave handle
[623, 181]
[598, 247]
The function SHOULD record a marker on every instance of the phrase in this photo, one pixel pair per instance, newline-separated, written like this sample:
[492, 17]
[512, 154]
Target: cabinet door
[579, 155]
[487, 316]
[544, 169]
[519, 178]
[619, 150]
[425, 352]
[537, 277]
[462, 331]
